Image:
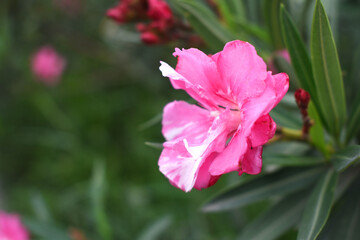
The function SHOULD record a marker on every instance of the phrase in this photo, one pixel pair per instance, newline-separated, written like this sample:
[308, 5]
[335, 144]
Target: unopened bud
[150, 38]
[302, 98]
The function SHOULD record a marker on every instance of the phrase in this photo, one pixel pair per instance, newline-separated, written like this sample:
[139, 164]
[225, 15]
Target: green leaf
[204, 22]
[45, 230]
[232, 12]
[275, 184]
[318, 207]
[345, 179]
[154, 231]
[353, 84]
[154, 145]
[316, 130]
[151, 122]
[255, 30]
[283, 117]
[98, 187]
[298, 53]
[272, 13]
[289, 160]
[345, 157]
[344, 221]
[277, 220]
[353, 126]
[327, 73]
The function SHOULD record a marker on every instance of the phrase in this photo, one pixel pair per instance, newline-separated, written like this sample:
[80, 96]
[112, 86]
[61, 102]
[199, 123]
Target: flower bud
[302, 98]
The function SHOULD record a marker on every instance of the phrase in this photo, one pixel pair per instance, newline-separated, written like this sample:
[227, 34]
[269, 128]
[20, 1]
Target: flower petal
[204, 178]
[183, 119]
[252, 161]
[242, 70]
[252, 110]
[178, 81]
[197, 74]
[262, 131]
[186, 157]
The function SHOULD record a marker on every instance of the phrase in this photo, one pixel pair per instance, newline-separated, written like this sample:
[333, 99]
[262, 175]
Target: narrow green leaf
[229, 16]
[151, 122]
[277, 220]
[345, 180]
[98, 189]
[345, 157]
[353, 126]
[285, 118]
[203, 20]
[155, 230]
[40, 209]
[344, 221]
[154, 145]
[272, 13]
[255, 30]
[327, 73]
[289, 160]
[316, 131]
[352, 85]
[299, 57]
[275, 184]
[45, 230]
[318, 207]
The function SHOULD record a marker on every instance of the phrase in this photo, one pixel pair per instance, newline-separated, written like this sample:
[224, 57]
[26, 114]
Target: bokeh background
[73, 158]
[55, 140]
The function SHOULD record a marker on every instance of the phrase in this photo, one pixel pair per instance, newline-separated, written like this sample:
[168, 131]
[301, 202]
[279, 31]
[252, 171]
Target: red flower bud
[150, 38]
[302, 98]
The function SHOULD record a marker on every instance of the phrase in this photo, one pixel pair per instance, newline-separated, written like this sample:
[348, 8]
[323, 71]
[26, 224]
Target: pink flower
[227, 132]
[47, 65]
[11, 227]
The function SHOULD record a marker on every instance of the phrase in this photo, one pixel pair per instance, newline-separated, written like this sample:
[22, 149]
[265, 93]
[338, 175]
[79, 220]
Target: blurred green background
[52, 139]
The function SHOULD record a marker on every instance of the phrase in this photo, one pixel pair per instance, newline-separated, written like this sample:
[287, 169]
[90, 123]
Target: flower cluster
[11, 227]
[228, 130]
[154, 20]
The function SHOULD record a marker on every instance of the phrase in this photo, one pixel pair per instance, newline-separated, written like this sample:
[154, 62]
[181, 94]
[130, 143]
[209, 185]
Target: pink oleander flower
[47, 65]
[227, 131]
[11, 227]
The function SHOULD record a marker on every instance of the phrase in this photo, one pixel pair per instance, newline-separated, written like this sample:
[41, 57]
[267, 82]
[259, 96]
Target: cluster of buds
[154, 20]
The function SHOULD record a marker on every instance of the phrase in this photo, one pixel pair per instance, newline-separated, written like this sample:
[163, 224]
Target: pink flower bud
[150, 38]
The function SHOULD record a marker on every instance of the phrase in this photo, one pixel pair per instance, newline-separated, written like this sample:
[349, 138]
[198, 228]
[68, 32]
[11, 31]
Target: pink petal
[191, 149]
[252, 161]
[229, 159]
[178, 81]
[262, 131]
[243, 72]
[204, 178]
[252, 110]
[183, 119]
[197, 74]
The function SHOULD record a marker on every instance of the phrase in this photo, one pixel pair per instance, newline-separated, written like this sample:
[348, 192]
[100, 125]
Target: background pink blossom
[11, 227]
[48, 65]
